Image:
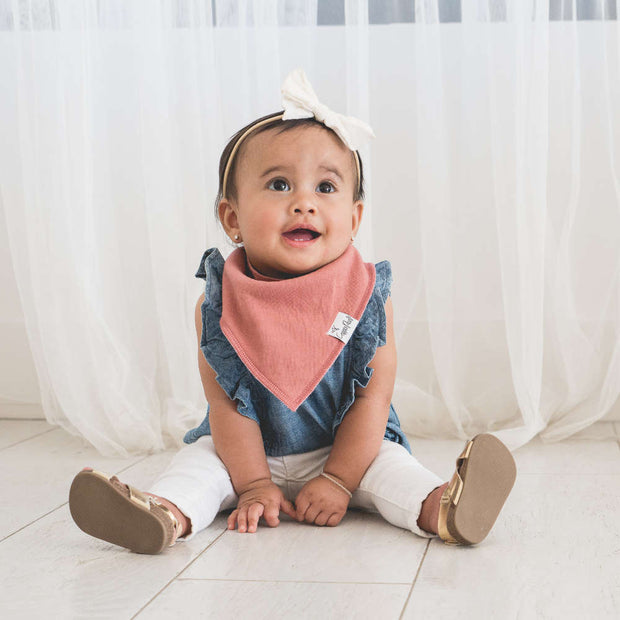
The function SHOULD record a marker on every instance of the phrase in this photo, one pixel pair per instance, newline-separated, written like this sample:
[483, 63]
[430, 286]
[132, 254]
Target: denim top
[315, 422]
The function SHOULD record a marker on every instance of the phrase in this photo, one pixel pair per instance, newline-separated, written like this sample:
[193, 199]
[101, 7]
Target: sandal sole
[488, 476]
[103, 511]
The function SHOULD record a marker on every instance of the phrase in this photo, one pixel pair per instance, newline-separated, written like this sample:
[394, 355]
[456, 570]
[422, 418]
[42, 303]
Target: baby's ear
[228, 217]
[358, 211]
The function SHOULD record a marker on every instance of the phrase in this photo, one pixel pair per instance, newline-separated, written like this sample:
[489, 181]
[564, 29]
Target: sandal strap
[454, 489]
[442, 525]
[175, 522]
[451, 495]
[465, 454]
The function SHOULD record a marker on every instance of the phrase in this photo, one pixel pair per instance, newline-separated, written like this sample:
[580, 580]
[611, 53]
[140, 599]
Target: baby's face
[294, 210]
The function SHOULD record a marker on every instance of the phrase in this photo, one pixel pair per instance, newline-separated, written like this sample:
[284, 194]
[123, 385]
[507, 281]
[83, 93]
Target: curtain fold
[518, 223]
[493, 187]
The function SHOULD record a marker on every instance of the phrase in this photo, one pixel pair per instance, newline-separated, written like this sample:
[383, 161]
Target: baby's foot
[429, 514]
[105, 508]
[473, 499]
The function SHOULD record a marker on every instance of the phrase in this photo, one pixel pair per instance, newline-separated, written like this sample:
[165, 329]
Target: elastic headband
[247, 132]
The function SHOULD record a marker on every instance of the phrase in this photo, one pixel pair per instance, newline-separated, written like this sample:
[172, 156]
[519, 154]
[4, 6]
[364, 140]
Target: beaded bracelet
[337, 483]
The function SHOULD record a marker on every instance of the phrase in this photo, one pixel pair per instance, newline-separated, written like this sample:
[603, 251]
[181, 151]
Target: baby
[298, 362]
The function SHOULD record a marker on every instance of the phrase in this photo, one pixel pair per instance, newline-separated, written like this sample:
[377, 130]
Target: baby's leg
[189, 494]
[197, 483]
[396, 486]
[408, 495]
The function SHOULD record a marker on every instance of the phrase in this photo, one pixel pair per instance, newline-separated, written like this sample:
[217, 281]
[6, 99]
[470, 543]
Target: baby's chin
[298, 272]
[294, 267]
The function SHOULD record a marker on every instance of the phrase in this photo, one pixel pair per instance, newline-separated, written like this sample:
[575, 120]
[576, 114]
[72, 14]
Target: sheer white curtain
[512, 244]
[114, 115]
[493, 189]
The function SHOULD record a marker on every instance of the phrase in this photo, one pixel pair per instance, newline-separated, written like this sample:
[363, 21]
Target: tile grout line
[124, 469]
[23, 527]
[5, 419]
[415, 579]
[49, 430]
[177, 575]
[349, 583]
[49, 512]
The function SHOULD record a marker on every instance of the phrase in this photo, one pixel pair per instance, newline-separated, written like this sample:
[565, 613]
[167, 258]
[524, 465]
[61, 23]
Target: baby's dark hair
[231, 188]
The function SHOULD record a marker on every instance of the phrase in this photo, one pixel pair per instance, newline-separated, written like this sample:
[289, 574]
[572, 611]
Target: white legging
[395, 484]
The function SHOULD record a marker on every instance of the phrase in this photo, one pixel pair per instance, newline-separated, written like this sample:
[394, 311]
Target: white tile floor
[554, 553]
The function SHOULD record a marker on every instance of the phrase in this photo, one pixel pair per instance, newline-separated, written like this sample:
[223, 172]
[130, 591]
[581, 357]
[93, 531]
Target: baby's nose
[304, 208]
[304, 203]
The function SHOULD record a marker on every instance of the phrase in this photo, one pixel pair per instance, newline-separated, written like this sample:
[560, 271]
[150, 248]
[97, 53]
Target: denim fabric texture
[315, 422]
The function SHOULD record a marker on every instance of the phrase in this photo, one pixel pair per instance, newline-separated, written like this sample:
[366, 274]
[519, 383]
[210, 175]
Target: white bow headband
[300, 101]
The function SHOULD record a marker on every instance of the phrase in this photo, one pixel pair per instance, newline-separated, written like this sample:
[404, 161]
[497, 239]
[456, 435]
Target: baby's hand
[321, 502]
[262, 498]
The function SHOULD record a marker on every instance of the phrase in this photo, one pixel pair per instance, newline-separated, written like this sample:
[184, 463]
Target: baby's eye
[279, 185]
[326, 188]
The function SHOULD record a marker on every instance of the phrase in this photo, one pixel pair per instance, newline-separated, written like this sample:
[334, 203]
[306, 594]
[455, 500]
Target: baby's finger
[271, 515]
[321, 518]
[288, 508]
[254, 514]
[311, 514]
[242, 519]
[334, 520]
[232, 519]
[302, 505]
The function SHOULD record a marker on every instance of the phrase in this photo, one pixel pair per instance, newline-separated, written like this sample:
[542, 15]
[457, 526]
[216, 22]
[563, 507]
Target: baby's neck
[256, 274]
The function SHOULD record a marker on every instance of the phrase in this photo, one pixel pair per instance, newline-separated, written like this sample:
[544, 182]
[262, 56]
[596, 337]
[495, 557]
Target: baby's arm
[357, 442]
[239, 443]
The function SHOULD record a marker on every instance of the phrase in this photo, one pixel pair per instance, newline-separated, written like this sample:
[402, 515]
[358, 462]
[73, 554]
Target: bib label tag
[343, 327]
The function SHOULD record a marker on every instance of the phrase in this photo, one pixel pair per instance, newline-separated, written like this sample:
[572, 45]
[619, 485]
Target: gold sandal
[485, 474]
[107, 509]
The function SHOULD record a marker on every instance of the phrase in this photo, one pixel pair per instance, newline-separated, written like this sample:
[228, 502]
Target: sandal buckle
[138, 498]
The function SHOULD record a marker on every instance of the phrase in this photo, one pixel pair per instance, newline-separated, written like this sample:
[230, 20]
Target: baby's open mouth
[301, 234]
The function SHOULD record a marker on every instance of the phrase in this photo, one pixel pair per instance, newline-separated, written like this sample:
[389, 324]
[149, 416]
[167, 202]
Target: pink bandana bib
[288, 333]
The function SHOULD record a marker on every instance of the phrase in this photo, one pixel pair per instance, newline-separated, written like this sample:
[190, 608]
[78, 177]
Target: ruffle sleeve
[372, 330]
[370, 334]
[231, 374]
